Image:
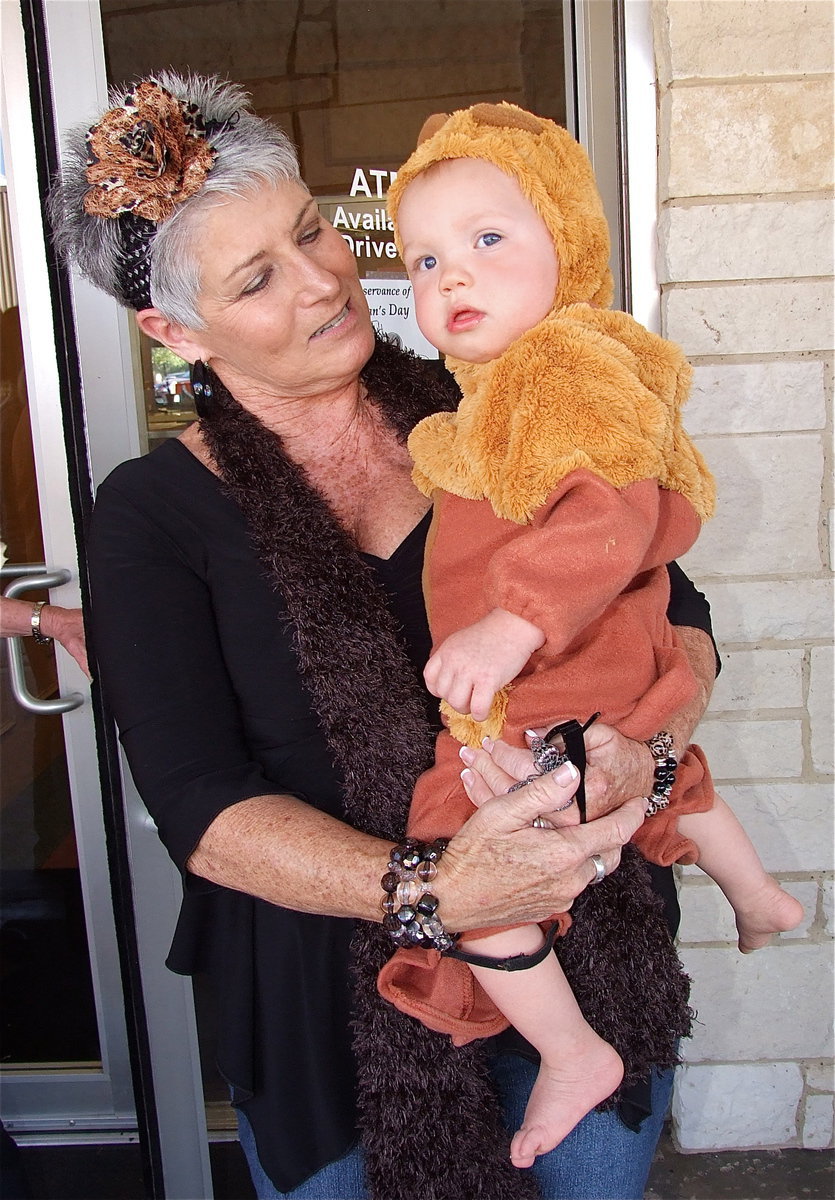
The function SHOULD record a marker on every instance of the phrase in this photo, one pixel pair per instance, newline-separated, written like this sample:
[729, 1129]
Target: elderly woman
[260, 631]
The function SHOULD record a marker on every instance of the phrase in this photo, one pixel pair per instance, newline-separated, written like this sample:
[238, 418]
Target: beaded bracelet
[411, 911]
[666, 765]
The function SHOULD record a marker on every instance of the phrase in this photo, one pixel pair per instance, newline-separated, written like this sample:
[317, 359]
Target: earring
[200, 381]
[201, 386]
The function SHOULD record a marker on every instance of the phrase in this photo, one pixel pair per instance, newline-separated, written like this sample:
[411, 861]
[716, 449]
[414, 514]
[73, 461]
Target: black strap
[571, 733]
[516, 962]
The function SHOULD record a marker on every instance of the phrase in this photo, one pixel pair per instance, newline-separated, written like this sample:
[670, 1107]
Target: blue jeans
[343, 1179]
[599, 1160]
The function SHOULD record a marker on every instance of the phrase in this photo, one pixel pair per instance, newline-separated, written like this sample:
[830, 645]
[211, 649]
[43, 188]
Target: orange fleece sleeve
[583, 548]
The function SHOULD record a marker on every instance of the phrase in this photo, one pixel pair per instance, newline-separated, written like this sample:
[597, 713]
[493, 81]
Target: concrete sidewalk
[749, 1175]
[111, 1172]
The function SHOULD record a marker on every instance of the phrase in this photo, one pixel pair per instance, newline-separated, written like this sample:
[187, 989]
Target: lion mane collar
[585, 388]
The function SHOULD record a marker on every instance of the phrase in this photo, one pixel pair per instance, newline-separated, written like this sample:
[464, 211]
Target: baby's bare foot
[562, 1095]
[769, 910]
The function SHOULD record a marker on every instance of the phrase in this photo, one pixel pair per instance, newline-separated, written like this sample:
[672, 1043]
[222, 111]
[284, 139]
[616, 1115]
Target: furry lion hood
[554, 173]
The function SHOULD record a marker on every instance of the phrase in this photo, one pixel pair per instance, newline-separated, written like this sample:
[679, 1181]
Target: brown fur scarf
[417, 1093]
[429, 1116]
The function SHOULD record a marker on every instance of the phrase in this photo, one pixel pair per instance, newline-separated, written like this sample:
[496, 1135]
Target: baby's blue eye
[489, 239]
[427, 263]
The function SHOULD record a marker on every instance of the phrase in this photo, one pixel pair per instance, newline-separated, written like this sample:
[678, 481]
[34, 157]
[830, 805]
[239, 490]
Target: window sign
[362, 220]
[393, 311]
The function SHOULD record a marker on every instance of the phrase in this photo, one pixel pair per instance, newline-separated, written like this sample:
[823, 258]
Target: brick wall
[746, 263]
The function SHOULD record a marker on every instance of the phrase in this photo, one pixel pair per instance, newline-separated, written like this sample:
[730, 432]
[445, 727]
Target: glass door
[99, 1084]
[65, 1062]
[47, 999]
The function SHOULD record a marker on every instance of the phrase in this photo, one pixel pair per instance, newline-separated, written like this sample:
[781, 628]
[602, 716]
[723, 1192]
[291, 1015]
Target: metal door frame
[53, 52]
[101, 1100]
[611, 109]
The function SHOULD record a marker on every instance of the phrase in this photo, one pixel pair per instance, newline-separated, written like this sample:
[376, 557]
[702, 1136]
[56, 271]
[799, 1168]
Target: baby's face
[480, 258]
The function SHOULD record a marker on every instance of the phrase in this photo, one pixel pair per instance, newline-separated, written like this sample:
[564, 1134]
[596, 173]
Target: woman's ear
[183, 341]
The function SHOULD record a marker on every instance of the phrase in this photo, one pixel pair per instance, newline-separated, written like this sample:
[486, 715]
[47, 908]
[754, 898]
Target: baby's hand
[471, 665]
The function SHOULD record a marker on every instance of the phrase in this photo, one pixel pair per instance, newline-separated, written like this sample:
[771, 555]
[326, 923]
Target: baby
[562, 486]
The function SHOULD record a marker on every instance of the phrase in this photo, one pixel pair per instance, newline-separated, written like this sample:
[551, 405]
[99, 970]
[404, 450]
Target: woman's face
[284, 310]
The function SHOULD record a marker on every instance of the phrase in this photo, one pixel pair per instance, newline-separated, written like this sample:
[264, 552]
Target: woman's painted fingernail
[467, 778]
[488, 744]
[566, 774]
[531, 733]
[467, 755]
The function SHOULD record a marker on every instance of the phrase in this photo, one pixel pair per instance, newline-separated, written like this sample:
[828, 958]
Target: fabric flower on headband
[146, 156]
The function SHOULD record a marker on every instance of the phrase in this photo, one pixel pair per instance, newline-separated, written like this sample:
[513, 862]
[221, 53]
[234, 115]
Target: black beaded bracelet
[666, 765]
[411, 911]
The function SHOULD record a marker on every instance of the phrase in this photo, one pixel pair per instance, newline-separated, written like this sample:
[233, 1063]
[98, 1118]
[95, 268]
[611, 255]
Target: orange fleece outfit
[562, 487]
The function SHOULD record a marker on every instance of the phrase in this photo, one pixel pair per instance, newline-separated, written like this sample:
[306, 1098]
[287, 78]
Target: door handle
[26, 578]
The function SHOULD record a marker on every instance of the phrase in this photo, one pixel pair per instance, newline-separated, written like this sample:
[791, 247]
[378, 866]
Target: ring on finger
[546, 758]
[514, 787]
[542, 822]
[599, 868]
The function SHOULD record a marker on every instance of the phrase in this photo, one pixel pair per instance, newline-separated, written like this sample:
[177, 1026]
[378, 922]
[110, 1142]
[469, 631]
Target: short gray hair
[250, 153]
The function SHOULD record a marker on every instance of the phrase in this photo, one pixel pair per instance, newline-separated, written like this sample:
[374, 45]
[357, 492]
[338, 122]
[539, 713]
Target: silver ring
[514, 787]
[546, 757]
[541, 822]
[599, 868]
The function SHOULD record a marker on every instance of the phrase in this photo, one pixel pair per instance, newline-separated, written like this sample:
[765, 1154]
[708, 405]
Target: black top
[199, 672]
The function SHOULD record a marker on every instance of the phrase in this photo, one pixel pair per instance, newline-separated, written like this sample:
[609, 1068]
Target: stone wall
[746, 263]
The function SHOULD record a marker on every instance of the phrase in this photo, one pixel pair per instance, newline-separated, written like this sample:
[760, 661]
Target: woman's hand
[66, 626]
[617, 769]
[499, 870]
